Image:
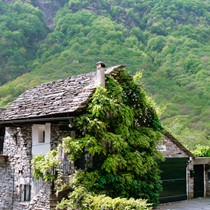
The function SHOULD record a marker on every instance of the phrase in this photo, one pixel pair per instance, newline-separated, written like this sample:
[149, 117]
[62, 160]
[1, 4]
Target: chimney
[100, 75]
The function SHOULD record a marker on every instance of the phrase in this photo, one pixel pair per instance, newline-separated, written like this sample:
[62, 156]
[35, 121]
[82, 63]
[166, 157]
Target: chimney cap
[100, 64]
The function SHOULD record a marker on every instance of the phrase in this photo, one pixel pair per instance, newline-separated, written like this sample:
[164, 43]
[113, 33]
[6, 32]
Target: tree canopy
[168, 41]
[21, 28]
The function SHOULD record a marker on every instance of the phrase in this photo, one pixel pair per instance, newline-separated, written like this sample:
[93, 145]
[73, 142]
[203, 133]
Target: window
[25, 192]
[41, 138]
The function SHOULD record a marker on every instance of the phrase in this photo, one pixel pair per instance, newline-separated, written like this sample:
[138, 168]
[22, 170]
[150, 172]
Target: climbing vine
[44, 166]
[115, 144]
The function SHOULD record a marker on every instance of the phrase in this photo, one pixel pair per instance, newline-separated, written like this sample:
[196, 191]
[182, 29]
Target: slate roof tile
[58, 97]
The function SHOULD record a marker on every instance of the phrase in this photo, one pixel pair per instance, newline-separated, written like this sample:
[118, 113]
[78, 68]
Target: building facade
[34, 124]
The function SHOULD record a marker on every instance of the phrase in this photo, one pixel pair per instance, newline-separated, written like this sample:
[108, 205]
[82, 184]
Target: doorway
[198, 181]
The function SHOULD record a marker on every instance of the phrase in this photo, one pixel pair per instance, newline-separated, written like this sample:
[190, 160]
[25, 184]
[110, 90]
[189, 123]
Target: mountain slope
[21, 28]
[167, 40]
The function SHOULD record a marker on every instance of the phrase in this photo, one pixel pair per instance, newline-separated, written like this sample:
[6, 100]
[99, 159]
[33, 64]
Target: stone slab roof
[58, 97]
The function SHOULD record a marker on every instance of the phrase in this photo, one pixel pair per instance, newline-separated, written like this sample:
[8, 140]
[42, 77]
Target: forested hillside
[168, 41]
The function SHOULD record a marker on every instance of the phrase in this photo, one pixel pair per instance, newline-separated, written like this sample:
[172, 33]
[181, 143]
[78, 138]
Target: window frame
[25, 192]
[41, 138]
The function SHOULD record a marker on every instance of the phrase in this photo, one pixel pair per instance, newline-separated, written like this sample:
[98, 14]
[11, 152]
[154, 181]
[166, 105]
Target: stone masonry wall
[58, 132]
[6, 189]
[190, 180]
[17, 146]
[170, 149]
[207, 183]
[17, 171]
[41, 200]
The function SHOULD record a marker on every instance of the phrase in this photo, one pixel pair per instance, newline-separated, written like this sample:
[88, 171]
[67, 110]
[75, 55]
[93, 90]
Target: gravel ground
[193, 204]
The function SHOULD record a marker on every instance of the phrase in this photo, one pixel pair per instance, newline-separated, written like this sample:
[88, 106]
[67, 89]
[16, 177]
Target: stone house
[183, 176]
[38, 120]
[34, 124]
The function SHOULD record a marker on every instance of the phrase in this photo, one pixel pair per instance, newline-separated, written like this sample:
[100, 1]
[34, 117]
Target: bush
[80, 198]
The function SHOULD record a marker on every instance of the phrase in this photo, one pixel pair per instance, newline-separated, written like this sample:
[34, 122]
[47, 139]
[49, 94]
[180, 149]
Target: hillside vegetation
[168, 41]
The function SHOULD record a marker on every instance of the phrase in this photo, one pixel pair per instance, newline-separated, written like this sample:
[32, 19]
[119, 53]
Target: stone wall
[207, 182]
[17, 147]
[6, 189]
[170, 149]
[41, 200]
[190, 181]
[58, 132]
[17, 170]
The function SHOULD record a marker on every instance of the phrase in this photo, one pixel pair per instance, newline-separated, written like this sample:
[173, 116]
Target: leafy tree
[115, 146]
[21, 30]
[167, 40]
[201, 151]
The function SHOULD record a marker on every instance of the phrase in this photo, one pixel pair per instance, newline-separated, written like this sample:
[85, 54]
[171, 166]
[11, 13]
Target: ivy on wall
[115, 146]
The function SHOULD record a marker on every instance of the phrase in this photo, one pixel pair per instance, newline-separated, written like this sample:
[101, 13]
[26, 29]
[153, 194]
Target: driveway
[194, 204]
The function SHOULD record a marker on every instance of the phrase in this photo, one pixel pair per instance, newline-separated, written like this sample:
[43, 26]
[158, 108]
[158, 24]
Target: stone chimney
[100, 75]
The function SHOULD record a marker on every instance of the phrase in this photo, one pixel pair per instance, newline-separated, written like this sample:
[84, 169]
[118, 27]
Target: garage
[174, 181]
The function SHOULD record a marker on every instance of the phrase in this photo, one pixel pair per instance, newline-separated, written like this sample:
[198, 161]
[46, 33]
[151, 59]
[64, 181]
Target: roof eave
[35, 120]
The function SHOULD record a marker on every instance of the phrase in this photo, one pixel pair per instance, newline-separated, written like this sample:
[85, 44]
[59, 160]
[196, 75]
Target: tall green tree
[21, 29]
[116, 144]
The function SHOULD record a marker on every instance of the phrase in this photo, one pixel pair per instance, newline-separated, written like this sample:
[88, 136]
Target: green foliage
[115, 147]
[83, 199]
[21, 29]
[44, 166]
[201, 151]
[168, 41]
[119, 133]
[88, 201]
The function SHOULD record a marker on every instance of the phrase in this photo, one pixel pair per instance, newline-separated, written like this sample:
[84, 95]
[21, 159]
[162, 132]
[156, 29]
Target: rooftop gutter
[34, 120]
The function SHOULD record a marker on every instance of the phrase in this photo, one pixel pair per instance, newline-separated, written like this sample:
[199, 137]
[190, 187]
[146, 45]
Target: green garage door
[173, 178]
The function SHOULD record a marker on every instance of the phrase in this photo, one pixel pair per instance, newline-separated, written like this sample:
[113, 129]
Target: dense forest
[168, 41]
